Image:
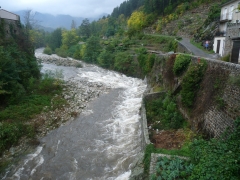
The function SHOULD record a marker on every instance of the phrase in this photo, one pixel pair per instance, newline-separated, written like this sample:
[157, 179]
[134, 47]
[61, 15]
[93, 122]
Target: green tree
[73, 25]
[55, 39]
[69, 38]
[124, 63]
[85, 29]
[92, 50]
[106, 59]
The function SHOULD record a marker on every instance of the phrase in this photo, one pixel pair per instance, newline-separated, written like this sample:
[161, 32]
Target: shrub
[217, 158]
[61, 52]
[226, 58]
[106, 59]
[146, 61]
[10, 134]
[191, 82]
[181, 64]
[124, 63]
[164, 109]
[47, 50]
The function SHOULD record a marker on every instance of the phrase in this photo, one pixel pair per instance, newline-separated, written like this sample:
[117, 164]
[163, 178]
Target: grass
[26, 109]
[199, 45]
[15, 119]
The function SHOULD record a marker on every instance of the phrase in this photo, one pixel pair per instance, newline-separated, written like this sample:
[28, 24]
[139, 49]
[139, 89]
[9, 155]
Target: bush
[218, 158]
[181, 64]
[191, 83]
[124, 63]
[164, 110]
[146, 61]
[226, 58]
[61, 52]
[106, 59]
[10, 134]
[47, 50]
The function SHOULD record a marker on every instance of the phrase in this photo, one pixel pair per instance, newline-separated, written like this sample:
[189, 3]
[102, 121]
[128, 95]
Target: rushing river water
[100, 144]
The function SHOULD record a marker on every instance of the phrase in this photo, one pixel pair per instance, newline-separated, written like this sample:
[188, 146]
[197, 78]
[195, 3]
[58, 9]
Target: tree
[55, 39]
[37, 38]
[85, 29]
[137, 21]
[73, 25]
[29, 20]
[92, 50]
[69, 38]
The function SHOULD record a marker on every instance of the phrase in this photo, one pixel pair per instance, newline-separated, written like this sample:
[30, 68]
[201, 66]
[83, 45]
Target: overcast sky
[78, 8]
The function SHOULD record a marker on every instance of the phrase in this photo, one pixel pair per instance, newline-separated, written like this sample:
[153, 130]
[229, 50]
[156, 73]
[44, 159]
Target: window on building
[224, 14]
[230, 12]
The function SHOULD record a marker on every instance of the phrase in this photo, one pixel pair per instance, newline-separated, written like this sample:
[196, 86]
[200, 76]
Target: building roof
[229, 2]
[3, 10]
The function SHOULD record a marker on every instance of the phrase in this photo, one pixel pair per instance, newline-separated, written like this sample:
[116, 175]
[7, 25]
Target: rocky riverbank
[76, 95]
[54, 59]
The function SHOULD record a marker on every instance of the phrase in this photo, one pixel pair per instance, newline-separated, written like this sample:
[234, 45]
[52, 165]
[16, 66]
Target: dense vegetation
[116, 42]
[24, 92]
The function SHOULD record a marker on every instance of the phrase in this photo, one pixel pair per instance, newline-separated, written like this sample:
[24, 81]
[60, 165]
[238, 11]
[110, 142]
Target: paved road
[196, 51]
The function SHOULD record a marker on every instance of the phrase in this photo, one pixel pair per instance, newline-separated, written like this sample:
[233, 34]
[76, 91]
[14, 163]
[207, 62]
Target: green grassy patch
[15, 117]
[199, 45]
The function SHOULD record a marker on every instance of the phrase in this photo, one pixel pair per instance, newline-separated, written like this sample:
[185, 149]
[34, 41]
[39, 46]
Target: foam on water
[125, 119]
[18, 173]
[120, 134]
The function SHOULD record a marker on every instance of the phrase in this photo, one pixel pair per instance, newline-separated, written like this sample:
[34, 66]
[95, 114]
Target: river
[101, 143]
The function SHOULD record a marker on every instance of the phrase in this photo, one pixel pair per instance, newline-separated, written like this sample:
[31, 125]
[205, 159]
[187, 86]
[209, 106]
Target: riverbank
[107, 131]
[74, 99]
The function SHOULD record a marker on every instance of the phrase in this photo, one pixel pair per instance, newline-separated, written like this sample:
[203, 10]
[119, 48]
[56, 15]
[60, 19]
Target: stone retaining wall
[182, 49]
[215, 120]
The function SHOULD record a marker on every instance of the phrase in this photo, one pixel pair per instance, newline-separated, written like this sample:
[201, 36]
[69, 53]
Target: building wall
[221, 49]
[230, 12]
[232, 32]
[8, 15]
[11, 25]
[223, 28]
[231, 15]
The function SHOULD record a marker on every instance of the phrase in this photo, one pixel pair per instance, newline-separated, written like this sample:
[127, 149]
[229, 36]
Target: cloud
[78, 8]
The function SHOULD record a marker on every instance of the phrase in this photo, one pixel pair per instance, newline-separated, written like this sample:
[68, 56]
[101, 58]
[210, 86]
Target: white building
[8, 15]
[229, 14]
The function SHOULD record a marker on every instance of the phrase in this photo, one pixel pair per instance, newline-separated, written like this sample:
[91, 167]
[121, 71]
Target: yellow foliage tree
[69, 38]
[137, 20]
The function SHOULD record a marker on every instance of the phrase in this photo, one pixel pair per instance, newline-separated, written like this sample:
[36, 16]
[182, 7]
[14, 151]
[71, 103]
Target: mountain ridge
[51, 22]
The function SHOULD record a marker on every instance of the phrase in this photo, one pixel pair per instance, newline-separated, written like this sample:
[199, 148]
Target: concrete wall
[147, 97]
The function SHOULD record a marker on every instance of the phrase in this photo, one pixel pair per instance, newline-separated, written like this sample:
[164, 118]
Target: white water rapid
[101, 143]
